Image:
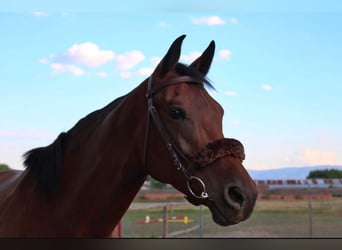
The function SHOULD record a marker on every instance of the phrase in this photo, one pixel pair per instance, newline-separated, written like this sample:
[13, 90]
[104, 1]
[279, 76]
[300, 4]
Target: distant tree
[4, 167]
[325, 174]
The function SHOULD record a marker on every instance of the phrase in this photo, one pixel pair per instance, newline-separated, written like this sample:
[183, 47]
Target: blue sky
[277, 70]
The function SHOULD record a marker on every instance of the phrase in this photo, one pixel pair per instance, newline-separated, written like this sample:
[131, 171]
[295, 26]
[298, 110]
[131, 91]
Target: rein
[204, 157]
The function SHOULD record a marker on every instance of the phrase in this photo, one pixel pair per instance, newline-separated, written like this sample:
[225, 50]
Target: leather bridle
[174, 151]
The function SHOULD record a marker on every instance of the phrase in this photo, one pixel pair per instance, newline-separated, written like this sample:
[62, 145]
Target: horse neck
[102, 174]
[109, 169]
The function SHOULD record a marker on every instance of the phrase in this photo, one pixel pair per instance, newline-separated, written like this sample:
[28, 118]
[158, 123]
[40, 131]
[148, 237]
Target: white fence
[309, 183]
[165, 220]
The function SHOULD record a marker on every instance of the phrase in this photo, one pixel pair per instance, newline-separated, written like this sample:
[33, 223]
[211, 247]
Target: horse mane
[45, 163]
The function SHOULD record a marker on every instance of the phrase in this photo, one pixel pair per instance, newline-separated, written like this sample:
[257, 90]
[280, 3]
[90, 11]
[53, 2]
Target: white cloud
[145, 71]
[129, 59]
[102, 74]
[164, 25]
[39, 13]
[225, 54]
[266, 87]
[209, 20]
[230, 93]
[315, 157]
[234, 123]
[189, 58]
[88, 54]
[43, 61]
[233, 20]
[126, 74]
[58, 68]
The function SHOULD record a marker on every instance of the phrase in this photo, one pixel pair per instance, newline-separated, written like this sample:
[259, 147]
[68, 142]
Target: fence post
[310, 211]
[120, 229]
[165, 222]
[201, 222]
[117, 231]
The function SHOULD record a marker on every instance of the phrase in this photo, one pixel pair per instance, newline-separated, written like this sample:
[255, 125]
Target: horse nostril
[235, 197]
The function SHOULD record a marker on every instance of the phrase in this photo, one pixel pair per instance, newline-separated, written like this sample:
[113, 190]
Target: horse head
[196, 158]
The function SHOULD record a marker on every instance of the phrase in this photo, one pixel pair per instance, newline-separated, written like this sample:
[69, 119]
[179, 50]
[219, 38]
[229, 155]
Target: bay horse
[168, 127]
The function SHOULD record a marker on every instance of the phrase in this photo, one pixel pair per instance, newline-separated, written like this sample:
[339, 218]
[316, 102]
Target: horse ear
[202, 63]
[171, 58]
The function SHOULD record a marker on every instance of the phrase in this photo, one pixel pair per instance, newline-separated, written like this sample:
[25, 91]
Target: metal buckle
[204, 194]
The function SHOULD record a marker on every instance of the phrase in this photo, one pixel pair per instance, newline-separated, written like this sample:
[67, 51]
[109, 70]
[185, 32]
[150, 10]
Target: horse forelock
[183, 70]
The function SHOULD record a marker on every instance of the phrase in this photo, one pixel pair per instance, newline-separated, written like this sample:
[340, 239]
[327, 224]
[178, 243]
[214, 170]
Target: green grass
[269, 219]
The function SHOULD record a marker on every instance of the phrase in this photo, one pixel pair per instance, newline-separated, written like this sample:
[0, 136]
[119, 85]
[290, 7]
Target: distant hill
[287, 172]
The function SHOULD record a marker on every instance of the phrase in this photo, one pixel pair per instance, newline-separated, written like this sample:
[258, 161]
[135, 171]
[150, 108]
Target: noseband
[212, 151]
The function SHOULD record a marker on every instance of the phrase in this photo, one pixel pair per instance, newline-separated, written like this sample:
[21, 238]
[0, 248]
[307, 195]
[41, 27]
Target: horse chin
[222, 219]
[218, 217]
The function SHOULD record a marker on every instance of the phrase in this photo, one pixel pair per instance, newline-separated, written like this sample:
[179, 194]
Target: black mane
[45, 163]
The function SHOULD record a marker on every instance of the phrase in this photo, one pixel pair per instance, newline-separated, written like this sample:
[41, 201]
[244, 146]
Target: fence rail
[302, 216]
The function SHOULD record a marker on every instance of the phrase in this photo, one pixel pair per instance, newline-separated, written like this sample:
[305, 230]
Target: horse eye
[176, 113]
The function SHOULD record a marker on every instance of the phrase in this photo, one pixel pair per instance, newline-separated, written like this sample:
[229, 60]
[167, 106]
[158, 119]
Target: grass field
[271, 218]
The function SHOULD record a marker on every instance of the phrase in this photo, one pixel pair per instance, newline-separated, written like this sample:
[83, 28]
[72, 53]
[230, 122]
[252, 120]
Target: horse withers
[168, 127]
